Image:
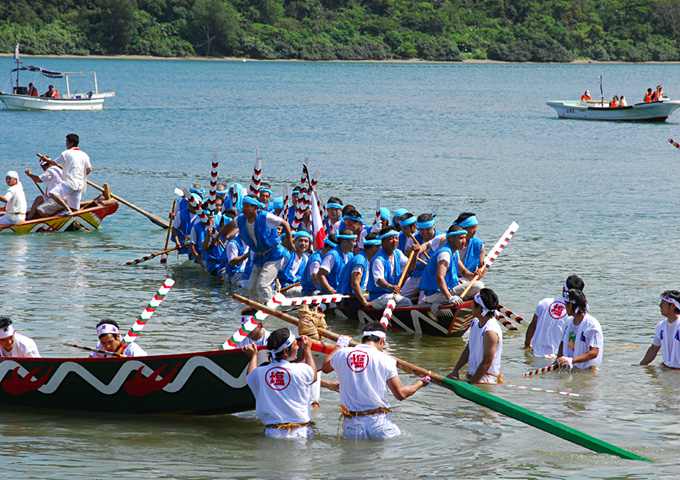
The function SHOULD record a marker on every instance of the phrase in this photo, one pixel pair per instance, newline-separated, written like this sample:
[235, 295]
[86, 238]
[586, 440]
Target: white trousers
[261, 278]
[299, 432]
[377, 427]
[12, 218]
[381, 301]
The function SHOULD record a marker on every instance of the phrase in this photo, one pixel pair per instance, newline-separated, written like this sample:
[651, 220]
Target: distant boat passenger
[586, 96]
[615, 102]
[648, 96]
[622, 102]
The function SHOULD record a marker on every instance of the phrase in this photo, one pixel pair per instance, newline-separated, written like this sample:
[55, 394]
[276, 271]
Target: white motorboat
[21, 98]
[597, 110]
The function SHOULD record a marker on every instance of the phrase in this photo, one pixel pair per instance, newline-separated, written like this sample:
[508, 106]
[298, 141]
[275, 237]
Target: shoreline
[295, 60]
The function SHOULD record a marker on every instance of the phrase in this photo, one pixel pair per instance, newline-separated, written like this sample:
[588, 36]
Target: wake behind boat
[600, 110]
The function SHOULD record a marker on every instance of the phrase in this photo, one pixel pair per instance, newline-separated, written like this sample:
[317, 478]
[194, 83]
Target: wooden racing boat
[450, 321]
[89, 217]
[188, 383]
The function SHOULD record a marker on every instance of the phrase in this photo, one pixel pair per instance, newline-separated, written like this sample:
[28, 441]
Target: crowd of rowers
[247, 242]
[651, 96]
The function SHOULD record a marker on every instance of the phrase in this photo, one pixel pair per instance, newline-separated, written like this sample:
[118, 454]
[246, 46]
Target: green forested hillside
[512, 30]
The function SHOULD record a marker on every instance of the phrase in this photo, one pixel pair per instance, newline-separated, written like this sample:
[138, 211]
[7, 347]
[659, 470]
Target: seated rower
[472, 254]
[430, 238]
[582, 342]
[334, 261]
[439, 283]
[334, 212]
[407, 228]
[265, 196]
[354, 275]
[396, 217]
[282, 389]
[310, 279]
[183, 217]
[14, 344]
[14, 199]
[385, 271]
[258, 336]
[294, 264]
[586, 96]
[213, 254]
[109, 340]
[666, 335]
[44, 205]
[485, 345]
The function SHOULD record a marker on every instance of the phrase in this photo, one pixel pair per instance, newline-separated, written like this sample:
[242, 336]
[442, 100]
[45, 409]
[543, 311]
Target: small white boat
[20, 98]
[597, 110]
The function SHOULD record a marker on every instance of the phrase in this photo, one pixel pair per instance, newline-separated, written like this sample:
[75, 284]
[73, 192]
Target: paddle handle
[289, 287]
[475, 278]
[418, 243]
[167, 237]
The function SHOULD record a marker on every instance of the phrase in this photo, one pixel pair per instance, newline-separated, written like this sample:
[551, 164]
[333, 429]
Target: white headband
[245, 319]
[105, 328]
[671, 300]
[7, 332]
[377, 333]
[480, 302]
[288, 343]
[569, 300]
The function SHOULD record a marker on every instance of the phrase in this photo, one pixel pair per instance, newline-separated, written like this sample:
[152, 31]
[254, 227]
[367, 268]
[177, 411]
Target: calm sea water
[596, 199]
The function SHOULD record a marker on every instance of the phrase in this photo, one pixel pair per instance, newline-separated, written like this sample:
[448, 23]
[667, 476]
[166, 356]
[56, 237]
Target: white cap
[13, 174]
[105, 328]
[6, 332]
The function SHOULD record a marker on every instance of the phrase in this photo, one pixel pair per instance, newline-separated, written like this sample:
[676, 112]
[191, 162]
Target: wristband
[342, 342]
[426, 380]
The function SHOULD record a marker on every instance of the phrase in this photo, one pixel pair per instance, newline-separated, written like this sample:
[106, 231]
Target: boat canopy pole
[96, 89]
[68, 88]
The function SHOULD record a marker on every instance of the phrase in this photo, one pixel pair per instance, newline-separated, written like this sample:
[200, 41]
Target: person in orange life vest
[51, 92]
[648, 96]
[614, 102]
[32, 91]
[586, 96]
[658, 94]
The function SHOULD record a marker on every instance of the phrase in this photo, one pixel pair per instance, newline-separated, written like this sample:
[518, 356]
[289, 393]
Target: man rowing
[546, 329]
[365, 374]
[334, 212]
[110, 341]
[666, 332]
[13, 344]
[440, 283]
[485, 345]
[582, 342]
[282, 389]
[294, 264]
[472, 254]
[385, 271]
[310, 277]
[354, 275]
[44, 205]
[182, 219]
[14, 199]
[334, 261]
[430, 238]
[76, 167]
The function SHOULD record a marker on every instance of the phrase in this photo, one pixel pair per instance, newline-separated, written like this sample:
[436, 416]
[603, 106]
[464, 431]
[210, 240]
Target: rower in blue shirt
[337, 257]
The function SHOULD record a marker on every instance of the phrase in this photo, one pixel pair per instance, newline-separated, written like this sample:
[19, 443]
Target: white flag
[16, 53]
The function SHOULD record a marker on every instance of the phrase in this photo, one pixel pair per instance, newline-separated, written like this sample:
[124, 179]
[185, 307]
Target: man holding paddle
[76, 167]
[110, 341]
[666, 332]
[365, 374]
[385, 269]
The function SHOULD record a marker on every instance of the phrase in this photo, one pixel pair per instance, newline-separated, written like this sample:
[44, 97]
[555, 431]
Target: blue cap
[385, 213]
[277, 203]
[398, 213]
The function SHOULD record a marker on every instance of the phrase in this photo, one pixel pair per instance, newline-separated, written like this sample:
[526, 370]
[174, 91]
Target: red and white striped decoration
[534, 389]
[674, 143]
[377, 211]
[146, 314]
[387, 313]
[248, 327]
[308, 300]
[213, 180]
[299, 206]
[538, 371]
[257, 176]
[512, 316]
[284, 210]
[501, 243]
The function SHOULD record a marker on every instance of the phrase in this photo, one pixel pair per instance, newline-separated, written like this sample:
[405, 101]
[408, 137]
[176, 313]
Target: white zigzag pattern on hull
[121, 376]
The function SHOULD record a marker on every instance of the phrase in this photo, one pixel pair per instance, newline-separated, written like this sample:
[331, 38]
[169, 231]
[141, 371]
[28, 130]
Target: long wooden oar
[113, 354]
[416, 242]
[392, 302]
[289, 287]
[164, 258]
[493, 254]
[154, 218]
[149, 257]
[477, 395]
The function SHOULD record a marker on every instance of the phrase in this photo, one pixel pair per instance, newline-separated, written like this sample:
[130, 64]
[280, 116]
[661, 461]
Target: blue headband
[267, 190]
[469, 222]
[374, 242]
[302, 234]
[398, 214]
[197, 197]
[252, 201]
[333, 205]
[329, 242]
[346, 237]
[222, 192]
[385, 213]
[457, 232]
[277, 203]
[295, 190]
[196, 190]
[355, 219]
[429, 224]
[388, 235]
[408, 221]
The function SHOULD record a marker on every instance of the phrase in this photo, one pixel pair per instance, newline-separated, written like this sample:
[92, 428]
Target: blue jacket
[306, 281]
[428, 282]
[344, 283]
[420, 268]
[374, 290]
[333, 277]
[474, 249]
[286, 275]
[269, 248]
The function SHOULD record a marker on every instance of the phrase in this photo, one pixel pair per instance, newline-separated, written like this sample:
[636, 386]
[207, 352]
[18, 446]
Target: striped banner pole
[213, 180]
[257, 175]
[284, 210]
[538, 371]
[512, 316]
[279, 299]
[149, 257]
[248, 327]
[139, 325]
[534, 389]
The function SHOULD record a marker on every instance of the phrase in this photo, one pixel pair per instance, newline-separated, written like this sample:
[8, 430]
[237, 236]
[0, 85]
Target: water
[596, 199]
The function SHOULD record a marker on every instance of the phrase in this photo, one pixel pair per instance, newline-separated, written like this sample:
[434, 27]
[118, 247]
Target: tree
[218, 22]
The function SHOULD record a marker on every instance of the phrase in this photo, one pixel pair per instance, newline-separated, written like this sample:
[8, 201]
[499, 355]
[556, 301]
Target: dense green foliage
[512, 30]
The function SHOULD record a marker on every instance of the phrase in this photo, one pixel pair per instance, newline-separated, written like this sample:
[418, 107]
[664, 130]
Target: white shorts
[70, 196]
[299, 432]
[381, 301]
[49, 207]
[376, 427]
[12, 218]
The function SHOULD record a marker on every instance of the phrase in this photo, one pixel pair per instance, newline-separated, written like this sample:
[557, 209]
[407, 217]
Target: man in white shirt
[44, 205]
[14, 344]
[76, 167]
[582, 342]
[15, 200]
[666, 332]
[258, 336]
[365, 374]
[110, 341]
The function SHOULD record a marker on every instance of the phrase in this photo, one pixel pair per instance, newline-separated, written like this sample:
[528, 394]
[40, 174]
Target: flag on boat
[318, 228]
[16, 53]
